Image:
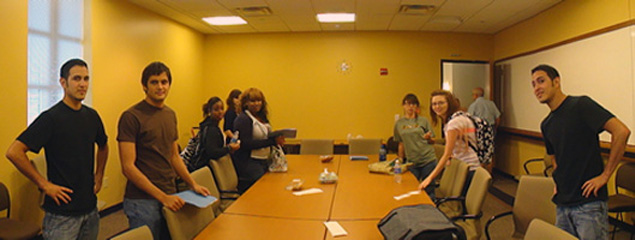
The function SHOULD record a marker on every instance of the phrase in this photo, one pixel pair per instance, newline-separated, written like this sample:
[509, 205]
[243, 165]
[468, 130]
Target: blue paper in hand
[196, 199]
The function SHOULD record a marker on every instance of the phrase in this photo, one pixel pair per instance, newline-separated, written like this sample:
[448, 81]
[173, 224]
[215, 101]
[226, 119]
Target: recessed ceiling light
[336, 17]
[225, 20]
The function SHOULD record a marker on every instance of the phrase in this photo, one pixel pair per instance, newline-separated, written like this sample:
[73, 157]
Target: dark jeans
[254, 169]
[421, 172]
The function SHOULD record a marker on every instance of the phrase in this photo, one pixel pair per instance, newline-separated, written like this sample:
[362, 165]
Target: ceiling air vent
[417, 9]
[254, 11]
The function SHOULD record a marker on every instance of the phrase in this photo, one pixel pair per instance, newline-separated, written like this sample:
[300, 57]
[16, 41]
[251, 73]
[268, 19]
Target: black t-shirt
[571, 134]
[68, 137]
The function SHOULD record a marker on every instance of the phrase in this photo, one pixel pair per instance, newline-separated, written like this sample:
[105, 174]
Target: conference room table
[357, 201]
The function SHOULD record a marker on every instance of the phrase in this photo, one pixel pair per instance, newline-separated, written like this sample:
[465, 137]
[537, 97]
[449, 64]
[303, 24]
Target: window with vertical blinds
[55, 35]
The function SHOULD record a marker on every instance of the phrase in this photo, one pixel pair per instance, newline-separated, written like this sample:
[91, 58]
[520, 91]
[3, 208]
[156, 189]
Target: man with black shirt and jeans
[68, 131]
[570, 133]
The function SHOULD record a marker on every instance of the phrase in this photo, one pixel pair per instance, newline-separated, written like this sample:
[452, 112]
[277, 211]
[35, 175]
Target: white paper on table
[335, 229]
[405, 195]
[308, 191]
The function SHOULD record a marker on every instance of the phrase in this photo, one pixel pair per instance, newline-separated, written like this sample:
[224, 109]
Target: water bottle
[382, 153]
[234, 138]
[397, 171]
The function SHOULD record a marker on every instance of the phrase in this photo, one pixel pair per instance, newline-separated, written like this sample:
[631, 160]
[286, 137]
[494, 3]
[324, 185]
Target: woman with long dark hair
[214, 139]
[253, 125]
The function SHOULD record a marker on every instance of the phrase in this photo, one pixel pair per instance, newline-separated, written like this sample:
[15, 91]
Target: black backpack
[192, 154]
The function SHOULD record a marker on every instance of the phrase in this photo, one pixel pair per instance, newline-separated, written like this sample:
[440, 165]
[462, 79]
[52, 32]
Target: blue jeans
[585, 221]
[57, 226]
[422, 172]
[146, 212]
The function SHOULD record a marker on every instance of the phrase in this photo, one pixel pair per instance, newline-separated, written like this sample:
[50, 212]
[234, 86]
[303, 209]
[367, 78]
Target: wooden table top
[357, 201]
[269, 198]
[362, 195]
[239, 227]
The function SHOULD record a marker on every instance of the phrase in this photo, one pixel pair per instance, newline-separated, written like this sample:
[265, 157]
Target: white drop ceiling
[470, 16]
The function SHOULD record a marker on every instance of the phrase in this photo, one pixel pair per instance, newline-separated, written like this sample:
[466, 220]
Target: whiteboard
[600, 67]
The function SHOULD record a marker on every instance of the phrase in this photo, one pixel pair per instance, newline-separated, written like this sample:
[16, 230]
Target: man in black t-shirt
[570, 133]
[68, 132]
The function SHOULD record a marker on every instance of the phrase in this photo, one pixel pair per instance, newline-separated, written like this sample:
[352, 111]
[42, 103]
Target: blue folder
[196, 199]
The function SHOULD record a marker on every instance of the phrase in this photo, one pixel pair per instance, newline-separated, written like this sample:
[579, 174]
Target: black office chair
[546, 162]
[620, 203]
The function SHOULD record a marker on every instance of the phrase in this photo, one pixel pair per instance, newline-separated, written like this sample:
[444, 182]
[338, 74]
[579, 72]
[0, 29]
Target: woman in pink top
[459, 132]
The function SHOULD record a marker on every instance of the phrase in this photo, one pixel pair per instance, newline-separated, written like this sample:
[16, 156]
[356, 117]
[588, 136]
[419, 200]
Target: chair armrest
[467, 216]
[448, 199]
[232, 195]
[454, 199]
[492, 219]
[547, 169]
[531, 161]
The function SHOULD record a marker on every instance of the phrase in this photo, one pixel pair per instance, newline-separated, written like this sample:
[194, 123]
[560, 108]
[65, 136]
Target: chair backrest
[142, 232]
[447, 179]
[459, 180]
[5, 200]
[475, 197]
[316, 146]
[203, 176]
[364, 146]
[39, 163]
[225, 173]
[533, 200]
[453, 179]
[548, 164]
[188, 221]
[477, 191]
[625, 177]
[439, 149]
[540, 230]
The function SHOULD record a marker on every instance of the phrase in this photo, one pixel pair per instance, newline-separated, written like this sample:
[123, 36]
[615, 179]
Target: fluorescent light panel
[225, 20]
[336, 17]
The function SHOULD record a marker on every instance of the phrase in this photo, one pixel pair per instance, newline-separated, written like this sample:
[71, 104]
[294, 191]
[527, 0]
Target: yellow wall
[564, 21]
[299, 77]
[125, 39]
[13, 62]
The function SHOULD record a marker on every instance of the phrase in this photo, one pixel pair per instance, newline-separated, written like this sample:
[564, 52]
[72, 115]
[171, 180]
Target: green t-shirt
[410, 132]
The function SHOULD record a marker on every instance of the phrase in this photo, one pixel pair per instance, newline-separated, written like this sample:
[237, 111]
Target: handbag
[419, 222]
[387, 167]
[277, 160]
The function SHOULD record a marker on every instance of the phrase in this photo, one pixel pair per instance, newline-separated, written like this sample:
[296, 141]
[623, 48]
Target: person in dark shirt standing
[68, 132]
[233, 100]
[570, 132]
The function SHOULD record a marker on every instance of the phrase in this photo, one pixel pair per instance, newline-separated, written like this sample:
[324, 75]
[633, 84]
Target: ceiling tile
[478, 16]
[333, 6]
[337, 26]
[232, 4]
[403, 22]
